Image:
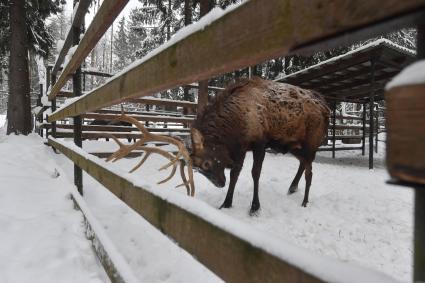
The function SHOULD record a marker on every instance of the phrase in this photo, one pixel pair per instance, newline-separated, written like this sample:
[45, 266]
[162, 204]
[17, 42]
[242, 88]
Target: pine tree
[25, 31]
[121, 46]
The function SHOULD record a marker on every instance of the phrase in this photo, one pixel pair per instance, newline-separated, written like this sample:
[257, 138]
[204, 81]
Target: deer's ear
[197, 140]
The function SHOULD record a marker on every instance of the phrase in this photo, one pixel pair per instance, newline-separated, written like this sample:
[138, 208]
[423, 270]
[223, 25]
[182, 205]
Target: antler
[175, 160]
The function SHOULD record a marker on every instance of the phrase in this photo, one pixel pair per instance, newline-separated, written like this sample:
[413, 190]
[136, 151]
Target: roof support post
[419, 242]
[376, 128]
[371, 103]
[76, 84]
[39, 116]
[53, 106]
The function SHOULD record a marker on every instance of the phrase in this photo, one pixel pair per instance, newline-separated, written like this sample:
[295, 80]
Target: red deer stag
[254, 115]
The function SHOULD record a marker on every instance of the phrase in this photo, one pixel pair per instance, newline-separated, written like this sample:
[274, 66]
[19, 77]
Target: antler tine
[140, 163]
[182, 174]
[124, 150]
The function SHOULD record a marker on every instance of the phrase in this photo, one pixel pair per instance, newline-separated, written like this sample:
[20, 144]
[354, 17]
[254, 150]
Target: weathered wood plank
[102, 246]
[164, 102]
[115, 128]
[230, 257]
[119, 135]
[340, 148]
[256, 31]
[149, 118]
[405, 108]
[105, 16]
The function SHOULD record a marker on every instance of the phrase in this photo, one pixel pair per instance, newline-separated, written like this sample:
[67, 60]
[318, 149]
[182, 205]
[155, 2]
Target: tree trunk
[19, 104]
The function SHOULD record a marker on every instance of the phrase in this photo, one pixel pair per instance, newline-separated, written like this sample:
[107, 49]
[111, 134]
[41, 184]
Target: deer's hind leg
[306, 158]
[294, 185]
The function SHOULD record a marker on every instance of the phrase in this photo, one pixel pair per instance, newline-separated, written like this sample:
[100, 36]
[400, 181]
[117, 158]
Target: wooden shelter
[357, 76]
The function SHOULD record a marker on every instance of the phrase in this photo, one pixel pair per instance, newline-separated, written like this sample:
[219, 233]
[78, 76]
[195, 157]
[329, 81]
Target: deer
[253, 115]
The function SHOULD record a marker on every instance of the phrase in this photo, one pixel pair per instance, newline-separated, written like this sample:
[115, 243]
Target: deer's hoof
[226, 205]
[292, 190]
[304, 204]
[255, 207]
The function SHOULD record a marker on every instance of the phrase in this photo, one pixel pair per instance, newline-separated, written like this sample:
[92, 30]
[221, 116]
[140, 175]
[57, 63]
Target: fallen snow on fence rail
[411, 75]
[205, 21]
[319, 265]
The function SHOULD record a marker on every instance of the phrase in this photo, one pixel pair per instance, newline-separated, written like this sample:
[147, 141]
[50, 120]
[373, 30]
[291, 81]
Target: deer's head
[210, 158]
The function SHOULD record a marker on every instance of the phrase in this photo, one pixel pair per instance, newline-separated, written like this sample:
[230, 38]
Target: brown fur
[256, 114]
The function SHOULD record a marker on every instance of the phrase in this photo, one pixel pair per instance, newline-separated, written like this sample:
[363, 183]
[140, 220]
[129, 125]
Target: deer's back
[265, 110]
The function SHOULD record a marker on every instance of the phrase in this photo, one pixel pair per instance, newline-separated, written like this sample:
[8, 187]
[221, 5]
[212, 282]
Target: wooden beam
[406, 133]
[115, 128]
[326, 69]
[83, 7]
[347, 75]
[112, 261]
[96, 73]
[119, 135]
[225, 253]
[254, 32]
[214, 88]
[139, 117]
[164, 102]
[104, 17]
[381, 79]
[150, 113]
[339, 148]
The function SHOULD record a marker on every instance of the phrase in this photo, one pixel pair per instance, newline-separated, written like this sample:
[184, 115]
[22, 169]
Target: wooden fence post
[419, 254]
[405, 157]
[53, 107]
[371, 106]
[39, 115]
[77, 84]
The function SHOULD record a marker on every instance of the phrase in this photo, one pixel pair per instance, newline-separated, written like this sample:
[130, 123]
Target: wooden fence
[253, 32]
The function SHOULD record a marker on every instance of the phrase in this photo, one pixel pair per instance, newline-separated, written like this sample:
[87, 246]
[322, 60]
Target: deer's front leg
[234, 175]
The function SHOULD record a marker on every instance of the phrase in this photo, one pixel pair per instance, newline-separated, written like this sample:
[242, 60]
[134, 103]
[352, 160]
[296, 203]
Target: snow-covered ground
[42, 237]
[352, 215]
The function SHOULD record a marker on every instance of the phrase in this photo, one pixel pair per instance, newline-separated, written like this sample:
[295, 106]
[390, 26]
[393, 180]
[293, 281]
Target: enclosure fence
[251, 33]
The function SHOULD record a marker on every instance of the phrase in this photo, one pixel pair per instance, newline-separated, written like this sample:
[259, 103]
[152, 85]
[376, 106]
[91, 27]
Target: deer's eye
[206, 165]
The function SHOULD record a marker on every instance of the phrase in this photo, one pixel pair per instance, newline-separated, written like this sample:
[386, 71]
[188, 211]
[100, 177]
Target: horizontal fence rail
[77, 21]
[104, 17]
[222, 244]
[254, 32]
[150, 118]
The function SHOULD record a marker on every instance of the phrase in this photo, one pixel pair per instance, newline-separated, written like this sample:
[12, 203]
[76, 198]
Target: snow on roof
[370, 45]
[412, 75]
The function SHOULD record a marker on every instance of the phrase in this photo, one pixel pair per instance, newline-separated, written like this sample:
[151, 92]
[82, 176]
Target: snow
[69, 55]
[45, 100]
[2, 120]
[353, 215]
[119, 262]
[411, 75]
[348, 54]
[41, 234]
[183, 33]
[59, 45]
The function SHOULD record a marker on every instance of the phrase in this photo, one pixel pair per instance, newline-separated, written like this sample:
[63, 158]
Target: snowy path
[42, 237]
[352, 215]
